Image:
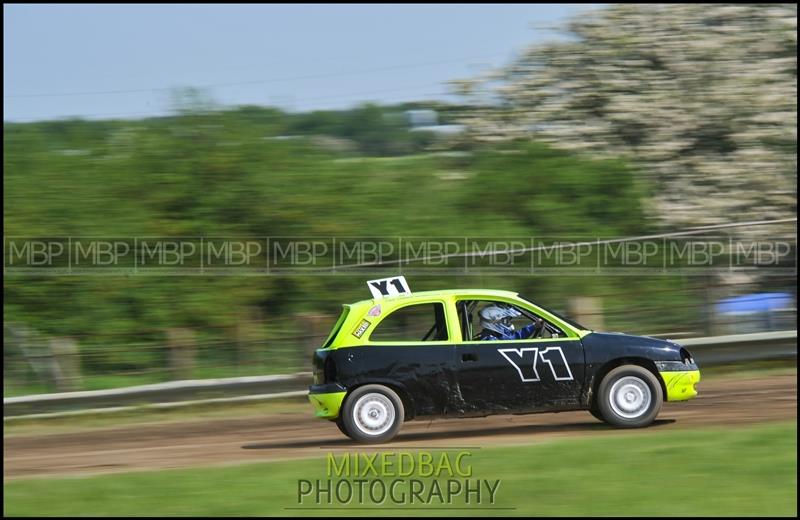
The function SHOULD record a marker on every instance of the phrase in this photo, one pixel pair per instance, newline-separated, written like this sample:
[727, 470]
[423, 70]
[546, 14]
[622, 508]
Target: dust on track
[289, 436]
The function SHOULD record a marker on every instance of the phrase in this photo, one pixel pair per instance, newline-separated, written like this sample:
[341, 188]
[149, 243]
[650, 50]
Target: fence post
[37, 354]
[66, 364]
[249, 337]
[311, 330]
[588, 311]
[182, 346]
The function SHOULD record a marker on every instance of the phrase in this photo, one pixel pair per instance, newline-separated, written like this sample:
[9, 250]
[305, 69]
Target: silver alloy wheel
[630, 397]
[373, 414]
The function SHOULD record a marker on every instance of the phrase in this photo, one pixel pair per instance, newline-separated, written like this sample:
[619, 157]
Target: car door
[410, 347]
[521, 374]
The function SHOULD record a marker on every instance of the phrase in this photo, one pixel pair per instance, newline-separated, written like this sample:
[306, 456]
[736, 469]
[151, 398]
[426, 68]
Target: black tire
[636, 398]
[340, 424]
[596, 413]
[381, 410]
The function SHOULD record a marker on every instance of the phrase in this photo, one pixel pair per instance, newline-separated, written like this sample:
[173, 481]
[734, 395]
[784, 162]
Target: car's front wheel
[629, 397]
[372, 414]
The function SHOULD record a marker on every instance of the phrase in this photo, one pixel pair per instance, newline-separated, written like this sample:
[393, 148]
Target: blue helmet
[498, 318]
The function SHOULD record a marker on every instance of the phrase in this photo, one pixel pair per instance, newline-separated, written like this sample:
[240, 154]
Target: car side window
[518, 323]
[420, 322]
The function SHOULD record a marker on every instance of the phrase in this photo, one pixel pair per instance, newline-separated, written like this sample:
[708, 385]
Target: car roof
[446, 292]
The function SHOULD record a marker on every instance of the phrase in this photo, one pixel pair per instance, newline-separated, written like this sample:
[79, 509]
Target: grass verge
[747, 471]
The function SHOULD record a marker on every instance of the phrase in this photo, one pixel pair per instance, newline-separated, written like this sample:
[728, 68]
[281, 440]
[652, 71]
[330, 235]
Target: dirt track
[283, 436]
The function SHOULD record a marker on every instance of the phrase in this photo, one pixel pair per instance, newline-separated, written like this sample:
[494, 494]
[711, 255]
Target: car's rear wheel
[372, 414]
[629, 397]
[340, 424]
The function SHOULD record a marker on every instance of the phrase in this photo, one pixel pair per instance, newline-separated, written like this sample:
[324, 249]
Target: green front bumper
[680, 385]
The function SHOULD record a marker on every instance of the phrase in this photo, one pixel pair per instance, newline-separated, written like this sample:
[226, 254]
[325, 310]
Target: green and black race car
[402, 355]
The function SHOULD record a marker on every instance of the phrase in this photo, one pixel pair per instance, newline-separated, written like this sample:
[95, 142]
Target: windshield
[560, 316]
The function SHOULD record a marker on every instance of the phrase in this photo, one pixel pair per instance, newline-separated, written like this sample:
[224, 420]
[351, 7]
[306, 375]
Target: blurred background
[567, 122]
[540, 128]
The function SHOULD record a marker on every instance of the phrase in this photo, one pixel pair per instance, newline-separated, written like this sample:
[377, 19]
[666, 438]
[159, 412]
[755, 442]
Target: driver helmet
[498, 318]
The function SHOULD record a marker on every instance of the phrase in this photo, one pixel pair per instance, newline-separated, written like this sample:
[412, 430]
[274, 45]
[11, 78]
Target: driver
[496, 323]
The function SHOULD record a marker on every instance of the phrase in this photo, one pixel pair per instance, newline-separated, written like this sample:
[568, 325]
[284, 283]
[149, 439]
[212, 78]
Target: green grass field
[748, 471]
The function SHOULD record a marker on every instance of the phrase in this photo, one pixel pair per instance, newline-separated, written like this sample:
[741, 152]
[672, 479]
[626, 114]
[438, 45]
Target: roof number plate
[393, 286]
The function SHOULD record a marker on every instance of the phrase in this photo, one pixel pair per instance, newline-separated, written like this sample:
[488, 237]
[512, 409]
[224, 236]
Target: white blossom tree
[702, 97]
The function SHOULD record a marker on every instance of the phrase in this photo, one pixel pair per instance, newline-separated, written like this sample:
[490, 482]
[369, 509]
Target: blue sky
[99, 61]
